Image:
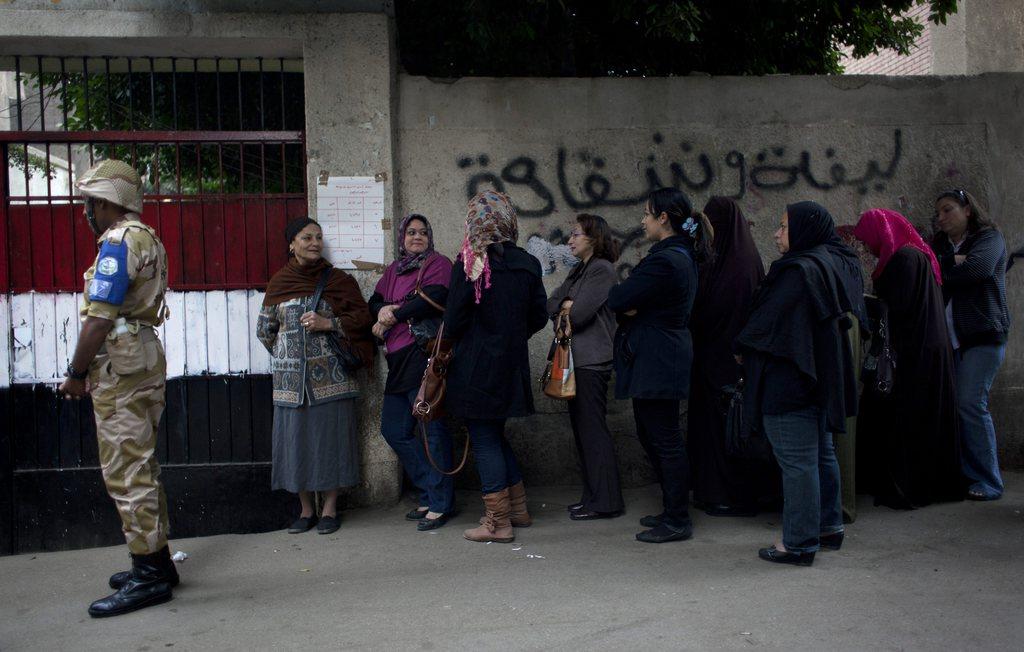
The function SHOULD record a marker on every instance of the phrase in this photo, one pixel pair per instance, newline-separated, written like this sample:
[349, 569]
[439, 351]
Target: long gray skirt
[315, 447]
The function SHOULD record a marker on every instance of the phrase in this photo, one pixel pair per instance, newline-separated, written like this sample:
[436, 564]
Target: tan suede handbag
[559, 379]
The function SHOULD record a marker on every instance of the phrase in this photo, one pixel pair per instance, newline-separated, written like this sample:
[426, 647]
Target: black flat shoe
[416, 514]
[773, 554]
[302, 524]
[980, 496]
[328, 525]
[652, 520]
[428, 524]
[664, 533]
[575, 507]
[588, 515]
[831, 541]
[730, 510]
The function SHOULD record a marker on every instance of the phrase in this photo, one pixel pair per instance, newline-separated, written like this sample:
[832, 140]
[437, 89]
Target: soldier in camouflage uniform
[119, 361]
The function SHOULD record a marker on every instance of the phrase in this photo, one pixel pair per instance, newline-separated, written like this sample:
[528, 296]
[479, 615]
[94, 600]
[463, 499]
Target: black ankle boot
[148, 585]
[117, 580]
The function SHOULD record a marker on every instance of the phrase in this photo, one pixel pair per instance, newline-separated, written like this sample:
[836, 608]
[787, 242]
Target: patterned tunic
[303, 362]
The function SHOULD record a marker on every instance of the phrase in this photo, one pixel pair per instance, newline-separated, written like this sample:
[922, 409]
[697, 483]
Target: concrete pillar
[349, 69]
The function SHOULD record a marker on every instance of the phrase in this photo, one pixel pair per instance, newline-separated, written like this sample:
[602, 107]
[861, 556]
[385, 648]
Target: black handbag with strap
[879, 369]
[741, 441]
[424, 331]
[342, 348]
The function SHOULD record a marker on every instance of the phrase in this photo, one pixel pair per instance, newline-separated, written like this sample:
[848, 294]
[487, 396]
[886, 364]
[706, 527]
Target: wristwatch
[77, 375]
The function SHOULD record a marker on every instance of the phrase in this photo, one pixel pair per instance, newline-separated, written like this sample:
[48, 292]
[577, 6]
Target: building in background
[982, 36]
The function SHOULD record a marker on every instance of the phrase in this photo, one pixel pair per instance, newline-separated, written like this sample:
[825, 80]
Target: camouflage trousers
[128, 409]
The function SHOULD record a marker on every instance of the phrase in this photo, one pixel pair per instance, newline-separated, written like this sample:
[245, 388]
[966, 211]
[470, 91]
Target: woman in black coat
[654, 351]
[801, 383]
[496, 301]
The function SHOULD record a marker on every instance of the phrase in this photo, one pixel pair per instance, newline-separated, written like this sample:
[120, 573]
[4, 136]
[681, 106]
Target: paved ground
[949, 577]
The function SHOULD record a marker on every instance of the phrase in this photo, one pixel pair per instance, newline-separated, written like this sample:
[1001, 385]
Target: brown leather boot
[517, 505]
[496, 526]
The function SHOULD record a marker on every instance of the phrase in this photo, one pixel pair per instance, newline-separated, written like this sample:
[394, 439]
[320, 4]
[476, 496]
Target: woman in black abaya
[908, 450]
[723, 485]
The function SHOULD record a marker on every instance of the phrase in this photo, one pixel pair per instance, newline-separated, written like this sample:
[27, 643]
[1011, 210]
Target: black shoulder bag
[740, 440]
[341, 347]
[879, 368]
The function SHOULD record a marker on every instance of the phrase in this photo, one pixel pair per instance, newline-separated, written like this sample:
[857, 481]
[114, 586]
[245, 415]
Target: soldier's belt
[146, 332]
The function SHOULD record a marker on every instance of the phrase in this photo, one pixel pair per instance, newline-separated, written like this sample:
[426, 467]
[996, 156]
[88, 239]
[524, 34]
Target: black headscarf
[799, 314]
[293, 228]
[811, 227]
[725, 289]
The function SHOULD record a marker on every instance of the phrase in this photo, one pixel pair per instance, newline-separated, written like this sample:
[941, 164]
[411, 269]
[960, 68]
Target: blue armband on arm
[111, 282]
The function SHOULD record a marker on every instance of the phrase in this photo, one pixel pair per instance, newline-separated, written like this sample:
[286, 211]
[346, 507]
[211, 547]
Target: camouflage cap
[114, 181]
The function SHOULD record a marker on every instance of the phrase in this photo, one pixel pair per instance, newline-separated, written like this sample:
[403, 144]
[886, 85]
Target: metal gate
[219, 144]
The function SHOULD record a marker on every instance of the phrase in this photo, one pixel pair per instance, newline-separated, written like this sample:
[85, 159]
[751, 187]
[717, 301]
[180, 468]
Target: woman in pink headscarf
[908, 451]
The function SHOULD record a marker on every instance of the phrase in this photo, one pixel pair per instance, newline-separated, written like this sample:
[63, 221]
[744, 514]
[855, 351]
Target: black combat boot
[117, 580]
[149, 584]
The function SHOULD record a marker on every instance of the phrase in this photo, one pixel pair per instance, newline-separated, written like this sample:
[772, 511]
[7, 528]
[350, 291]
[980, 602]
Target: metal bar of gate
[146, 137]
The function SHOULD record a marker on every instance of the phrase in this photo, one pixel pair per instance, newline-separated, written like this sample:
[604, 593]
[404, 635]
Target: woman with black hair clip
[972, 256]
[654, 349]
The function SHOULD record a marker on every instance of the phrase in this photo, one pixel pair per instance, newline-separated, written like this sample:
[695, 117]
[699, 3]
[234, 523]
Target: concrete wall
[563, 146]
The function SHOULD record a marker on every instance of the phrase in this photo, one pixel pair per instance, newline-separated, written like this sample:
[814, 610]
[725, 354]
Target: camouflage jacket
[303, 363]
[129, 276]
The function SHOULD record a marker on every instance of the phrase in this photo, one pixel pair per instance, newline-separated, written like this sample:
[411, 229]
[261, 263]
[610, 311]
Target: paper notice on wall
[350, 211]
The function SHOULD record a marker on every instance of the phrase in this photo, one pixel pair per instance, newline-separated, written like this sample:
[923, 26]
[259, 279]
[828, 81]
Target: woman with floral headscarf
[496, 301]
[908, 450]
[405, 302]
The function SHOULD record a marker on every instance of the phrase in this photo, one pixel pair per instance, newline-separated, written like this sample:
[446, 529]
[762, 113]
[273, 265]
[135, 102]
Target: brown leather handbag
[429, 403]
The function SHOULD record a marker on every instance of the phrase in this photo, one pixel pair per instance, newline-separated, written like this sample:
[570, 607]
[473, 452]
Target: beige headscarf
[491, 219]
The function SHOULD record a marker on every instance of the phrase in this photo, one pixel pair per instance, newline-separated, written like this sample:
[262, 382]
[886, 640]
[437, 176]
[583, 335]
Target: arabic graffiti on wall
[771, 169]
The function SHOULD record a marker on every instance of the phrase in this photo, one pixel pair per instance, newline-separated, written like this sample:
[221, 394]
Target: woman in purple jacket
[407, 301]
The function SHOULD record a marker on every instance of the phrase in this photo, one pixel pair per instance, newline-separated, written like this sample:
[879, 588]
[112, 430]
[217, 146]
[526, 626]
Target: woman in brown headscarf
[315, 437]
[725, 486]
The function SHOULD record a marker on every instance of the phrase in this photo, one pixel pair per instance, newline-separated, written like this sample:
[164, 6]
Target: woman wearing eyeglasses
[583, 297]
[972, 256]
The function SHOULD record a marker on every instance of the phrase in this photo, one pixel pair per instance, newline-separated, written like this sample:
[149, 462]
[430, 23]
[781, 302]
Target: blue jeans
[402, 433]
[495, 461]
[976, 369]
[810, 477]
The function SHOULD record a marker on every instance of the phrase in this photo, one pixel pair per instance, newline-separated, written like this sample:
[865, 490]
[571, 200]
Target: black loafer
[302, 524]
[773, 554]
[730, 510]
[588, 515]
[432, 523]
[980, 496]
[416, 514]
[652, 520]
[575, 507]
[831, 541]
[664, 533]
[328, 525]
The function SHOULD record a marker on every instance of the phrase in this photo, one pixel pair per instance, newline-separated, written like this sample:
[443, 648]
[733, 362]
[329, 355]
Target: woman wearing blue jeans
[972, 255]
[496, 301]
[800, 374]
[411, 292]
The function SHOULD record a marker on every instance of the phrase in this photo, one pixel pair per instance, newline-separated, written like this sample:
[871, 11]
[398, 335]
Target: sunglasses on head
[956, 193]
